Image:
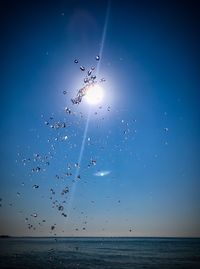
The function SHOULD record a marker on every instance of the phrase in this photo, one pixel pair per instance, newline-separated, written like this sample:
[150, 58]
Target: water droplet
[75, 61]
[52, 191]
[61, 208]
[86, 80]
[97, 57]
[68, 110]
[65, 191]
[35, 186]
[93, 162]
[166, 129]
[89, 72]
[82, 68]
[64, 92]
[38, 169]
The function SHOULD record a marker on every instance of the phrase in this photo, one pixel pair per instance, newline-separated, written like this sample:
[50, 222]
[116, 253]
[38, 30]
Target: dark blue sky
[146, 135]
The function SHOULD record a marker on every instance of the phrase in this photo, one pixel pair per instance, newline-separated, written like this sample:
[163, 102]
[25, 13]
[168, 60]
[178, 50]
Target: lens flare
[94, 94]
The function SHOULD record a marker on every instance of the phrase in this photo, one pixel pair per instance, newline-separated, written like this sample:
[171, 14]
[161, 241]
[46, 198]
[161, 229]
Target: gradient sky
[146, 135]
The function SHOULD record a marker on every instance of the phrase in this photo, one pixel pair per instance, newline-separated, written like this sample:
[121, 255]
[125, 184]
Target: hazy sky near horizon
[139, 170]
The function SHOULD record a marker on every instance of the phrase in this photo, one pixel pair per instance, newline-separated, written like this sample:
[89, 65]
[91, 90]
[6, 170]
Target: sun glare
[94, 94]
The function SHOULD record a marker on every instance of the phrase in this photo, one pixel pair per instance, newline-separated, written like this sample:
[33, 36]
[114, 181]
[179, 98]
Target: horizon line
[46, 236]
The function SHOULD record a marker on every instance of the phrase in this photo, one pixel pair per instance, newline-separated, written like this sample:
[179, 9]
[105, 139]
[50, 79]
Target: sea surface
[96, 253]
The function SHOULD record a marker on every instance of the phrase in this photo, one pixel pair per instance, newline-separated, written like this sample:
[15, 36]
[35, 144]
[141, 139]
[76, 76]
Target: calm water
[120, 253]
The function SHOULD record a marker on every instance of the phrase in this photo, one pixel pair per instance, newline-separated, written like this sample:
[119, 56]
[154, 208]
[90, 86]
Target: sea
[96, 253]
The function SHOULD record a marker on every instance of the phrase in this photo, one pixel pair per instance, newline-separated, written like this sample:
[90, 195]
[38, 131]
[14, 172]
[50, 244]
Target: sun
[94, 94]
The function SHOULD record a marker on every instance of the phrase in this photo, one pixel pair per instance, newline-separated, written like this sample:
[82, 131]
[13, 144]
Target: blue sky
[146, 133]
